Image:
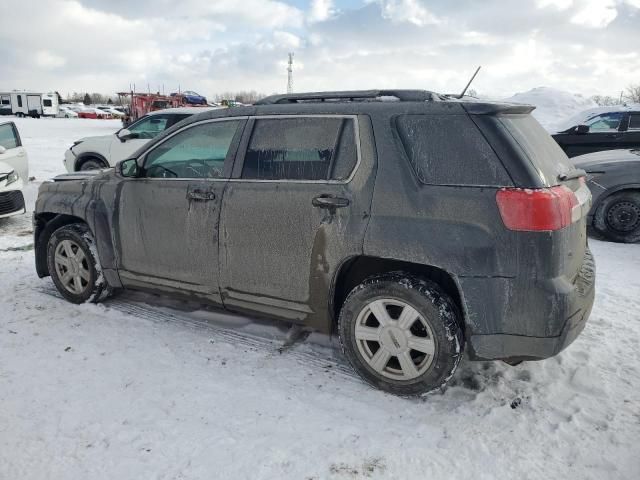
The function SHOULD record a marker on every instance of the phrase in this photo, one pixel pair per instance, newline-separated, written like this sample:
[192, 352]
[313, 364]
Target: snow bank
[553, 106]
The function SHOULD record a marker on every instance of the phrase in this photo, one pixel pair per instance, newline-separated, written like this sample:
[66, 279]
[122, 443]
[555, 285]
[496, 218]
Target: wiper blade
[577, 173]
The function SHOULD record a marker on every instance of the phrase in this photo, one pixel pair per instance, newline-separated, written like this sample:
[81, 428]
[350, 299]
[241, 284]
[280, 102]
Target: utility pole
[290, 74]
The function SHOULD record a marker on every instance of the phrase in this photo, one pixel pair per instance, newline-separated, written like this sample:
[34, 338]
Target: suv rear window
[303, 148]
[449, 150]
[543, 152]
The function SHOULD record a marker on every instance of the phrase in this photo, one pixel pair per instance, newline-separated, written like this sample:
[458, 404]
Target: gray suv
[413, 225]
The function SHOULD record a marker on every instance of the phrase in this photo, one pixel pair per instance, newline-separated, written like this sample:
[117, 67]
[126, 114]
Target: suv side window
[449, 150]
[302, 148]
[607, 122]
[8, 138]
[148, 127]
[634, 121]
[196, 152]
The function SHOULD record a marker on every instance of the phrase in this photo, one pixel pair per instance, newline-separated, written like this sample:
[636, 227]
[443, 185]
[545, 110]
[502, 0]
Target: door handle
[329, 201]
[201, 195]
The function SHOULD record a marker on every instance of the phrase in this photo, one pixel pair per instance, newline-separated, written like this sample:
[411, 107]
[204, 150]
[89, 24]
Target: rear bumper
[570, 307]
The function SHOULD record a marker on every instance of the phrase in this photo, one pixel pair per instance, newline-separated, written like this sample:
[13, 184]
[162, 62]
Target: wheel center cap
[393, 339]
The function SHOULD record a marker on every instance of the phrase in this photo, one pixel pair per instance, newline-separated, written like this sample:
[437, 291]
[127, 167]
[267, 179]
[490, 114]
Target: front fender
[65, 202]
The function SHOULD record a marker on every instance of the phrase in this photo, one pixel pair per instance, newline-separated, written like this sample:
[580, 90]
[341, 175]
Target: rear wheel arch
[355, 270]
[633, 187]
[625, 197]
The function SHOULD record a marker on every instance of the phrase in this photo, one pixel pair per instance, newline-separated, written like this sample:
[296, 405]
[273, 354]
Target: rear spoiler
[482, 108]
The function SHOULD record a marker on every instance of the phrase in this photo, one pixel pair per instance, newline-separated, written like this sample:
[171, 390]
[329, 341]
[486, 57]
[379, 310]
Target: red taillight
[536, 210]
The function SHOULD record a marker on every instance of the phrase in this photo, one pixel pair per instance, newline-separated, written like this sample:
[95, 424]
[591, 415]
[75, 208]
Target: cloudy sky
[584, 46]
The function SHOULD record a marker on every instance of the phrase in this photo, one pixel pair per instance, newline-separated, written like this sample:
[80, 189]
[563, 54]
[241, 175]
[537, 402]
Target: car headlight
[12, 177]
[77, 142]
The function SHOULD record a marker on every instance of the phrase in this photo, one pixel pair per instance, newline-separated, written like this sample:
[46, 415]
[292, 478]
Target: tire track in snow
[305, 353]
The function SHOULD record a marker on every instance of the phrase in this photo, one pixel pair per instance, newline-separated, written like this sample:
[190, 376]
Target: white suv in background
[14, 170]
[93, 153]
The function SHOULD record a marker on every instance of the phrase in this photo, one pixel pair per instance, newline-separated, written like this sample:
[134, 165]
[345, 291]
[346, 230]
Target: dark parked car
[614, 180]
[411, 224]
[602, 131]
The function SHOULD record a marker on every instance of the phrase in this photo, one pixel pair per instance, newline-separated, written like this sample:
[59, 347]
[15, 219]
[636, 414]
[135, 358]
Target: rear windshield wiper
[577, 173]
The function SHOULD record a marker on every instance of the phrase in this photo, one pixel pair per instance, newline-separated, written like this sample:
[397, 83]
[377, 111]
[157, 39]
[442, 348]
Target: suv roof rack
[353, 95]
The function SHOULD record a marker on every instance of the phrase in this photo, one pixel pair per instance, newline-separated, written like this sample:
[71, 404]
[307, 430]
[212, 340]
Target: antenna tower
[290, 74]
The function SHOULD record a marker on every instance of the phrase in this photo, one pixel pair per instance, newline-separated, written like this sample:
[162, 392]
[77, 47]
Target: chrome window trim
[142, 158]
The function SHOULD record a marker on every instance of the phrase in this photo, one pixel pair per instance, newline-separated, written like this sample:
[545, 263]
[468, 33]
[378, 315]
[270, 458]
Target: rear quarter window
[449, 150]
[546, 156]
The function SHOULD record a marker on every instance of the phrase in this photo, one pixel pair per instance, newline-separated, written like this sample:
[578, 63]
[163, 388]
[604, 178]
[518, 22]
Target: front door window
[197, 152]
[608, 122]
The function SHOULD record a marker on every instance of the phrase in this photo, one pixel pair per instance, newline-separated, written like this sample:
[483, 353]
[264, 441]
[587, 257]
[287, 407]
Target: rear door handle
[201, 195]
[329, 201]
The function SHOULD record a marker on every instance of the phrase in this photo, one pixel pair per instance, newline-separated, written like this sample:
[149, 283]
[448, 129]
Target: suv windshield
[543, 152]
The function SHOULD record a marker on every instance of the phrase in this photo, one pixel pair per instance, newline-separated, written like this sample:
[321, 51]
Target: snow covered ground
[139, 387]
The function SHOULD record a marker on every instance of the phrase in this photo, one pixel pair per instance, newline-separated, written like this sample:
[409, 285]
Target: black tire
[92, 164]
[617, 217]
[434, 306]
[96, 288]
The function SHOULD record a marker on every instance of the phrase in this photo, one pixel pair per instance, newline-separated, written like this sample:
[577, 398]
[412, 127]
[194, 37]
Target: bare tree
[242, 96]
[632, 94]
[605, 100]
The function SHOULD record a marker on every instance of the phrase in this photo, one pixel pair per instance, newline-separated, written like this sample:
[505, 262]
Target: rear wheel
[401, 333]
[618, 217]
[92, 164]
[73, 265]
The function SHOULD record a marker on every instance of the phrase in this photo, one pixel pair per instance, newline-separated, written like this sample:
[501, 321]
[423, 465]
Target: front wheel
[92, 164]
[401, 333]
[74, 266]
[618, 217]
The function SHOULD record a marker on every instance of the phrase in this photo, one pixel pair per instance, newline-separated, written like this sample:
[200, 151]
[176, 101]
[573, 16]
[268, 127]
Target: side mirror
[2, 149]
[128, 168]
[125, 134]
[582, 129]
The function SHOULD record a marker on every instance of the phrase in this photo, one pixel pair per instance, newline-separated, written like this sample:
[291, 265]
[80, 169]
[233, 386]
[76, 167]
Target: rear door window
[302, 148]
[8, 137]
[634, 121]
[449, 150]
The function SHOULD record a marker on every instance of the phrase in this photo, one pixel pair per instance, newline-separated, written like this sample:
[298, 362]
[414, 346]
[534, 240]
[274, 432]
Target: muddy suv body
[413, 225]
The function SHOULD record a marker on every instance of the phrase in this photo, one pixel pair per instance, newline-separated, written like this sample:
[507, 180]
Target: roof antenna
[469, 84]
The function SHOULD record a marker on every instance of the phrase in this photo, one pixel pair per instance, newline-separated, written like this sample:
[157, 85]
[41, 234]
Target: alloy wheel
[394, 339]
[72, 267]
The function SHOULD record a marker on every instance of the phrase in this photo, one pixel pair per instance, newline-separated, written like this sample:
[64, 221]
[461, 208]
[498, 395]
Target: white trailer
[26, 104]
[50, 105]
[5, 103]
